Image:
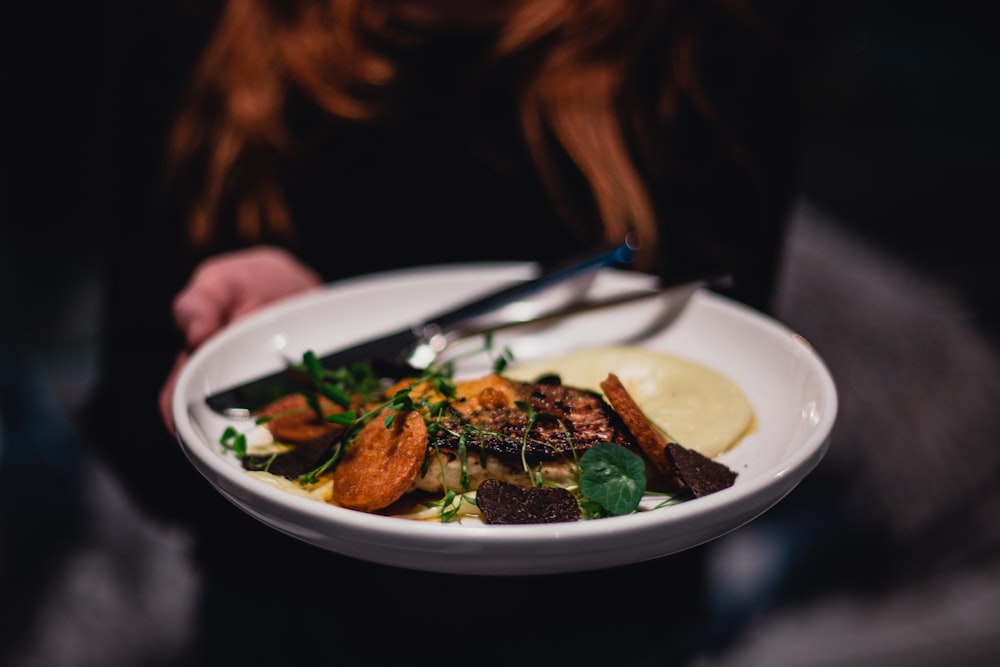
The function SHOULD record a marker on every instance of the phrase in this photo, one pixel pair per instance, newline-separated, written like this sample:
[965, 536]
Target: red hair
[578, 59]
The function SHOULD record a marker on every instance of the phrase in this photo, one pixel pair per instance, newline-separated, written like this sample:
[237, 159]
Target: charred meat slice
[546, 421]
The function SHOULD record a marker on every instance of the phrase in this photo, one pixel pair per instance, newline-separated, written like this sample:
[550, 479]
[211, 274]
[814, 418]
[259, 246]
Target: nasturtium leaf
[613, 477]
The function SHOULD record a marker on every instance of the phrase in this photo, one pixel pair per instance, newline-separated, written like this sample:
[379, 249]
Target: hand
[225, 288]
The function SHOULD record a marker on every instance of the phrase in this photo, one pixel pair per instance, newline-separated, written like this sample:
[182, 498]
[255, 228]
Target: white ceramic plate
[792, 393]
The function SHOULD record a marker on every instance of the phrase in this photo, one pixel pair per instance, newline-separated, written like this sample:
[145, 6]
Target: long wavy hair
[578, 58]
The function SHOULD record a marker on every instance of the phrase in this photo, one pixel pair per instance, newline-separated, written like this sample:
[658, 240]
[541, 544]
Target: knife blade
[426, 336]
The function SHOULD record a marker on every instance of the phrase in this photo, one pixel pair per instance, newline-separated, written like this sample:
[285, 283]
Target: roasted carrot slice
[293, 421]
[380, 464]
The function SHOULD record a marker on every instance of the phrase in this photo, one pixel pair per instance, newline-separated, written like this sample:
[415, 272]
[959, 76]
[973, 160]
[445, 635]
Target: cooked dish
[538, 443]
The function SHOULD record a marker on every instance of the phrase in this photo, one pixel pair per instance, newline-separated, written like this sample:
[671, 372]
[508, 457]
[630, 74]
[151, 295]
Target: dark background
[899, 137]
[900, 148]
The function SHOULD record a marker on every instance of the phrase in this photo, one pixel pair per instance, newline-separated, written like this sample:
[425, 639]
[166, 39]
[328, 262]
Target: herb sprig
[339, 386]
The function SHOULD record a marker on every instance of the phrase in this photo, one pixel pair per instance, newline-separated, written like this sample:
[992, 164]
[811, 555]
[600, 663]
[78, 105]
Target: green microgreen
[533, 418]
[234, 441]
[264, 465]
[337, 384]
[450, 505]
[503, 359]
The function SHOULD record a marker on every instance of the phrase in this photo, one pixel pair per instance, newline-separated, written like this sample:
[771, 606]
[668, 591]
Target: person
[309, 141]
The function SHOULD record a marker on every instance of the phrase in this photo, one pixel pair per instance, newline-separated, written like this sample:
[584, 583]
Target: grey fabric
[918, 427]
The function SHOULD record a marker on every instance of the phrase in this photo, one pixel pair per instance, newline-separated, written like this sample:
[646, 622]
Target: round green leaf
[613, 477]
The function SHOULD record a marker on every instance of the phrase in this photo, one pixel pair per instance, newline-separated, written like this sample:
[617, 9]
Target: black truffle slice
[505, 503]
[300, 459]
[699, 473]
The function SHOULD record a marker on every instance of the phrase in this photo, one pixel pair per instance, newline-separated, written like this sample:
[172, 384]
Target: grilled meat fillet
[504, 424]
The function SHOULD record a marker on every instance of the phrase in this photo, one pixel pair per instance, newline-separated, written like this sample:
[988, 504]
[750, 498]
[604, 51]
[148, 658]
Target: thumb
[202, 309]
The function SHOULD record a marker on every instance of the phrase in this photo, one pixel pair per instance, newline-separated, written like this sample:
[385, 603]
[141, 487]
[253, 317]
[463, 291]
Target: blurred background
[891, 273]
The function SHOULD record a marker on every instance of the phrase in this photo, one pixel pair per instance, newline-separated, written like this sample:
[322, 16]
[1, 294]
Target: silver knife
[416, 345]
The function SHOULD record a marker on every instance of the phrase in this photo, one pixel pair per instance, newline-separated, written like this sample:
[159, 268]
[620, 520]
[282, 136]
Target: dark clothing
[447, 179]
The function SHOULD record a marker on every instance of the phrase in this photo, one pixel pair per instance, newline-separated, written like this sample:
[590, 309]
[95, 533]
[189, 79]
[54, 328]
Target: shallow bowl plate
[791, 391]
